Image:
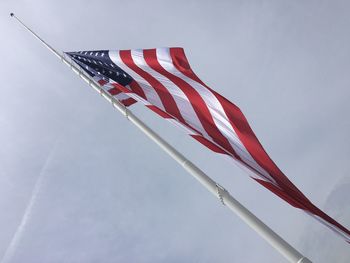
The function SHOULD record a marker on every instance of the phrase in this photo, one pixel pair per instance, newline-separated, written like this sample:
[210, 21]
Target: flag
[98, 72]
[163, 81]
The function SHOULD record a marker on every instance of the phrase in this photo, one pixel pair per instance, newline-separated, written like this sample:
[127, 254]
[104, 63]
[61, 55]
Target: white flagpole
[290, 253]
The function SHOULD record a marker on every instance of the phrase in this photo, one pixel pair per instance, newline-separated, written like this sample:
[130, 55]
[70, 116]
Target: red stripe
[117, 89]
[138, 90]
[102, 82]
[315, 210]
[302, 204]
[251, 142]
[279, 192]
[159, 112]
[120, 87]
[135, 87]
[128, 102]
[286, 190]
[237, 121]
[195, 99]
[208, 143]
[164, 95]
[114, 91]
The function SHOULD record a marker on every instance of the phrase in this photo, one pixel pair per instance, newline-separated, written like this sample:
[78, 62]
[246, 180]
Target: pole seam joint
[220, 191]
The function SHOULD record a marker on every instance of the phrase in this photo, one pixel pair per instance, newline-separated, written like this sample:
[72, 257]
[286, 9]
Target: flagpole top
[12, 14]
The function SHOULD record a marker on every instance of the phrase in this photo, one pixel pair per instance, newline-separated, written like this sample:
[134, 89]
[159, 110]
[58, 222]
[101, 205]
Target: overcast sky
[103, 192]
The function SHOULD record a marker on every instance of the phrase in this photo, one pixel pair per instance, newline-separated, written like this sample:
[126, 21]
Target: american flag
[163, 81]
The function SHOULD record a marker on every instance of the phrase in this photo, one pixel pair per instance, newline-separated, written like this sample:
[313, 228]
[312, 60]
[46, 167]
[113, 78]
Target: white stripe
[181, 100]
[187, 110]
[150, 93]
[137, 97]
[121, 96]
[216, 110]
[223, 124]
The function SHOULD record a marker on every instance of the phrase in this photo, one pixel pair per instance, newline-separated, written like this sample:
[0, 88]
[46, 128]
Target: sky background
[105, 193]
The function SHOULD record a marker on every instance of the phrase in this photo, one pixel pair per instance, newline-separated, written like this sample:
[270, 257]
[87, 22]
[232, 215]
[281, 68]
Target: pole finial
[12, 14]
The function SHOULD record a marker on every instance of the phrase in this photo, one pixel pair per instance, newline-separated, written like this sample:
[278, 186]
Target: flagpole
[289, 252]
